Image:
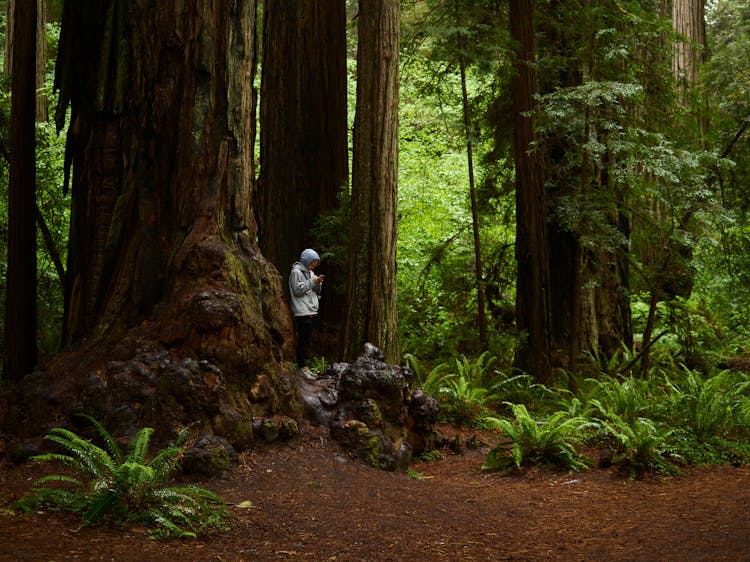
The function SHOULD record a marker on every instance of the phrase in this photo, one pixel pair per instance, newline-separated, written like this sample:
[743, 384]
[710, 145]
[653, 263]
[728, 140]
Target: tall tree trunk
[588, 285]
[162, 252]
[532, 288]
[42, 112]
[41, 51]
[20, 352]
[478, 269]
[303, 133]
[689, 51]
[371, 294]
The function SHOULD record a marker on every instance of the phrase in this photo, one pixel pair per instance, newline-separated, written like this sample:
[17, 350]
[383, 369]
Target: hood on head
[308, 256]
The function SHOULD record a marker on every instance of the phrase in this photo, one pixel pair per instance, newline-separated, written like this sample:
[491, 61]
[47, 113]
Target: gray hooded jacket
[304, 290]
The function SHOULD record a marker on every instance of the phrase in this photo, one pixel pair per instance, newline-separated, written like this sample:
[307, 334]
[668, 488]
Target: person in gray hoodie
[305, 288]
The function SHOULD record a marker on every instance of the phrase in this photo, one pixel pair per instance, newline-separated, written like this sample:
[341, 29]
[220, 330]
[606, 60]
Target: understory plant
[552, 441]
[627, 397]
[709, 405]
[121, 487]
[430, 381]
[640, 446]
[467, 393]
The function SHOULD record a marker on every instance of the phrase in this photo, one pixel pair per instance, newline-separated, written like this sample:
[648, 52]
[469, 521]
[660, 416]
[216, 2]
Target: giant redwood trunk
[170, 307]
[371, 294]
[303, 135]
[588, 283]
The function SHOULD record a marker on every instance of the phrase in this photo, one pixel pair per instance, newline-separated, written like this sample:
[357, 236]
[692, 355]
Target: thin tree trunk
[371, 295]
[40, 56]
[478, 268]
[42, 112]
[49, 243]
[20, 352]
[647, 331]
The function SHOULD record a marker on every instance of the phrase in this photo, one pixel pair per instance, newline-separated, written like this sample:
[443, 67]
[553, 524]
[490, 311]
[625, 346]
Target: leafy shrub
[124, 487]
[551, 442]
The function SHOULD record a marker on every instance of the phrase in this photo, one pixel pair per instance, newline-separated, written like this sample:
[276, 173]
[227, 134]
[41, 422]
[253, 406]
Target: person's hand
[319, 278]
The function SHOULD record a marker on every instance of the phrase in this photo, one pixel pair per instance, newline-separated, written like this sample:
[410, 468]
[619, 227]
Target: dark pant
[304, 338]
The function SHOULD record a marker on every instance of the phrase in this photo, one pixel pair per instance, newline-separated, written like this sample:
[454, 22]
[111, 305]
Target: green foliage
[627, 398]
[430, 382]
[711, 450]
[318, 365]
[118, 486]
[708, 405]
[641, 445]
[548, 442]
[436, 273]
[466, 393]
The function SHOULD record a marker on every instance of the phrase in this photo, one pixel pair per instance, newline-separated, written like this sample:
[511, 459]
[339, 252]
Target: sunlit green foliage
[437, 295]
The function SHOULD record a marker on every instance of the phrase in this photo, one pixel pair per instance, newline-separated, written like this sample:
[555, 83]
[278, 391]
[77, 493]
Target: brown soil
[313, 502]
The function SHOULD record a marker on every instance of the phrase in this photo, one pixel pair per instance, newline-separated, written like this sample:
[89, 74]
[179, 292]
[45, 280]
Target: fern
[113, 447]
[551, 442]
[709, 405]
[139, 446]
[125, 488]
[431, 382]
[628, 398]
[642, 446]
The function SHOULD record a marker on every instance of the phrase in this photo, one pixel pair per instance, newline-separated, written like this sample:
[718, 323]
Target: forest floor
[313, 502]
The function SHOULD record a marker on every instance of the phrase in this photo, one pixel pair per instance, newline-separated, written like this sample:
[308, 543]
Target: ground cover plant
[641, 425]
[549, 442]
[109, 484]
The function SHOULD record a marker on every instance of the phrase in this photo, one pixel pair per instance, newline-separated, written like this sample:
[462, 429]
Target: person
[305, 288]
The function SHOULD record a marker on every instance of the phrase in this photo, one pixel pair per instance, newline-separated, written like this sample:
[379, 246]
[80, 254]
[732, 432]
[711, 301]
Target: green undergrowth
[659, 424]
[123, 487]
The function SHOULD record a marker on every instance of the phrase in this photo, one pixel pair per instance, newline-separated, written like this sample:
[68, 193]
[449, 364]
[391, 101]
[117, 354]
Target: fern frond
[166, 462]
[58, 478]
[88, 456]
[139, 446]
[162, 519]
[113, 447]
[54, 457]
[101, 506]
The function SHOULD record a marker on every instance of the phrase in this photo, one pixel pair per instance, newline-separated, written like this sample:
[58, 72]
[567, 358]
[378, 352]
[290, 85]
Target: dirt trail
[312, 502]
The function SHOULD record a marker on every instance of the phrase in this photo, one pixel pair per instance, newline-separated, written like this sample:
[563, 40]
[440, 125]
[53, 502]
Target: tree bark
[689, 51]
[478, 268]
[371, 294]
[20, 351]
[42, 112]
[162, 249]
[303, 133]
[532, 287]
[40, 35]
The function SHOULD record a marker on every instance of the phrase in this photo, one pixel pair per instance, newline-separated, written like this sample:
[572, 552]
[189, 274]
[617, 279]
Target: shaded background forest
[622, 241]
